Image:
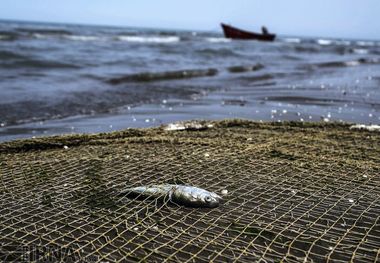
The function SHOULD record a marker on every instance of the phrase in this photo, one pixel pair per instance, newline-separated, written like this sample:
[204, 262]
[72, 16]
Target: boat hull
[236, 33]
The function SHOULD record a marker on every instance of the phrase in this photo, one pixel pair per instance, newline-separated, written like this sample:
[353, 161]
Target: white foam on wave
[352, 63]
[324, 42]
[292, 40]
[81, 38]
[64, 36]
[40, 36]
[149, 39]
[360, 51]
[365, 43]
[218, 40]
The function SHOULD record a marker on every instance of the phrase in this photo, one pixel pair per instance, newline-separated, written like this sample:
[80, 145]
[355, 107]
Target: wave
[240, 69]
[342, 42]
[336, 49]
[259, 78]
[6, 35]
[375, 52]
[292, 40]
[337, 64]
[8, 55]
[167, 75]
[218, 40]
[89, 102]
[223, 52]
[82, 38]
[327, 42]
[149, 39]
[44, 31]
[40, 36]
[369, 60]
[35, 63]
[306, 100]
[291, 57]
[324, 42]
[360, 51]
[307, 49]
[365, 43]
[68, 37]
[350, 63]
[234, 102]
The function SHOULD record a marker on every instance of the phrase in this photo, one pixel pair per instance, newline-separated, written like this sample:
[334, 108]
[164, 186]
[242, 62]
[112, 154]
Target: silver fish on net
[185, 195]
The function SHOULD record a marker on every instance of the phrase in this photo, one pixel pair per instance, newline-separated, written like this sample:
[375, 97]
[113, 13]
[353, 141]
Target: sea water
[57, 78]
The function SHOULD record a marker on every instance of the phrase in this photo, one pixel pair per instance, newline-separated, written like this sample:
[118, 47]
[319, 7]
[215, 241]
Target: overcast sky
[329, 18]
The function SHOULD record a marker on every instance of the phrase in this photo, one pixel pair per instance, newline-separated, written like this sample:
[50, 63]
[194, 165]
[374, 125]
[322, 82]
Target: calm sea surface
[58, 79]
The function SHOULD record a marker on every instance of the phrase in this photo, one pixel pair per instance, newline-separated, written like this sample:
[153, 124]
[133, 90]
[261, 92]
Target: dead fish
[185, 195]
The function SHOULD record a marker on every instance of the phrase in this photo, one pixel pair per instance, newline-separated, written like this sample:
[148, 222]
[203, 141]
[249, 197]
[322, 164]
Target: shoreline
[72, 139]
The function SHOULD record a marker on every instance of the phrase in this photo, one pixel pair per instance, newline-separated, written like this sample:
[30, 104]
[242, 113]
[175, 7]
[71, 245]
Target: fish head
[210, 199]
[195, 197]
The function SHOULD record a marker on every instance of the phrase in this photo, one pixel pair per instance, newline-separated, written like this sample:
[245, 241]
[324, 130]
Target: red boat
[236, 33]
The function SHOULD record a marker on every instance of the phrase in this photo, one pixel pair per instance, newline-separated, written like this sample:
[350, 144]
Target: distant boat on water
[236, 33]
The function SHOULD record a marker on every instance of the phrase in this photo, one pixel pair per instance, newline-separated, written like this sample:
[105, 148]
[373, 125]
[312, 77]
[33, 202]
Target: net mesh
[296, 192]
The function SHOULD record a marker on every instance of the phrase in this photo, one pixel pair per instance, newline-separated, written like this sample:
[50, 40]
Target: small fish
[180, 194]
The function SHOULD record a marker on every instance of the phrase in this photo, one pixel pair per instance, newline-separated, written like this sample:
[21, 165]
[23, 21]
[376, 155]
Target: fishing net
[296, 192]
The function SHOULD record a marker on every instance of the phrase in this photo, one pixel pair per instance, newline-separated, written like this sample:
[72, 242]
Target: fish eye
[208, 199]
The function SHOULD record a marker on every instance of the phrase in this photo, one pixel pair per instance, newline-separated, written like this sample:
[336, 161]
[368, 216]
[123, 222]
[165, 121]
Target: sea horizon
[217, 29]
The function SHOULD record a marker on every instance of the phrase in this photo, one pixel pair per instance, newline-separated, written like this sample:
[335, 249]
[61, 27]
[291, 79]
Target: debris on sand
[224, 192]
[371, 127]
[190, 126]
